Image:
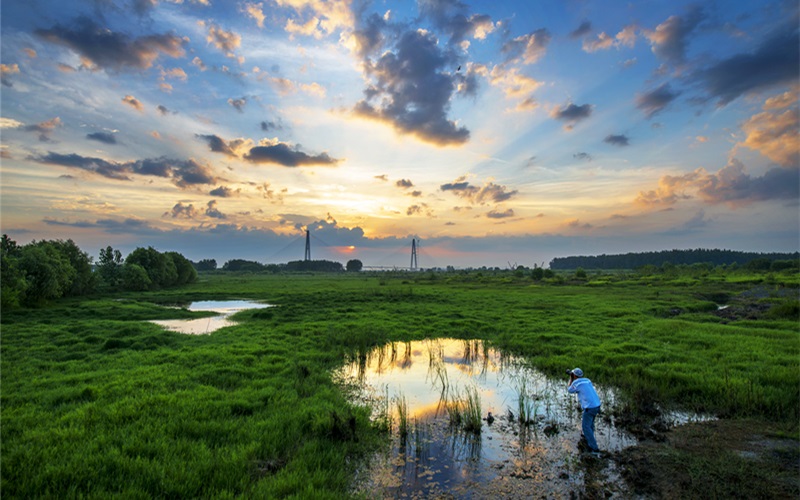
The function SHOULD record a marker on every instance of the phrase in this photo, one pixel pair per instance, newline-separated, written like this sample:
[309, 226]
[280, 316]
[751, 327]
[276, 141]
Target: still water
[507, 458]
[224, 308]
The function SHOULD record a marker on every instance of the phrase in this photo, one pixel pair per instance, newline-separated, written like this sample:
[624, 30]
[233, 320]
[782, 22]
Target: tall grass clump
[472, 411]
[402, 417]
[526, 404]
[464, 411]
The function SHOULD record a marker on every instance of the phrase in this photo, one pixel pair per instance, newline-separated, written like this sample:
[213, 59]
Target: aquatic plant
[472, 411]
[526, 405]
[402, 417]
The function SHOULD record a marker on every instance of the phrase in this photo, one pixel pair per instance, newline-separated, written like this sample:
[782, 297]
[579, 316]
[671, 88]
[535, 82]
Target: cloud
[783, 100]
[110, 50]
[582, 156]
[280, 153]
[656, 100]
[626, 38]
[774, 135]
[404, 184]
[602, 42]
[226, 41]
[199, 64]
[44, 128]
[266, 126]
[527, 48]
[225, 192]
[213, 212]
[5, 71]
[112, 226]
[412, 82]
[617, 140]
[182, 173]
[175, 73]
[104, 137]
[513, 84]
[494, 214]
[284, 86]
[134, 103]
[453, 19]
[576, 224]
[163, 110]
[234, 147]
[179, 210]
[670, 38]
[256, 11]
[584, 29]
[421, 209]
[730, 185]
[10, 123]
[572, 114]
[238, 104]
[326, 17]
[776, 61]
[488, 193]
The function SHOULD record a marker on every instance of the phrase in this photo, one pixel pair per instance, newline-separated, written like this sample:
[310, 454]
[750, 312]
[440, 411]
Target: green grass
[98, 403]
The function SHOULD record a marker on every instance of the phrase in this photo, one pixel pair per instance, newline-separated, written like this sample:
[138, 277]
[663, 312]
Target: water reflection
[529, 440]
[224, 308]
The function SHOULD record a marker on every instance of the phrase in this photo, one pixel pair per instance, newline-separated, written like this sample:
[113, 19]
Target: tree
[85, 280]
[48, 273]
[354, 265]
[184, 268]
[243, 265]
[12, 279]
[537, 273]
[206, 265]
[160, 269]
[134, 277]
[109, 266]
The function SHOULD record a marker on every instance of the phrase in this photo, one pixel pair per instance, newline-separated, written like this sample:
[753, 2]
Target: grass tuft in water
[526, 405]
[402, 417]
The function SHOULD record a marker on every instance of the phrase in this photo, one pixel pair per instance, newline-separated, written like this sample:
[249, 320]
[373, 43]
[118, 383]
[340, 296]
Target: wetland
[307, 399]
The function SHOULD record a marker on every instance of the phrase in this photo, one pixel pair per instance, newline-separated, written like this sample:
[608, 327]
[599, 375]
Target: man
[590, 402]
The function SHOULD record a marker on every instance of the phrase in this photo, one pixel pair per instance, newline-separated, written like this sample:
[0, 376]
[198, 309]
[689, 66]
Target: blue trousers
[587, 425]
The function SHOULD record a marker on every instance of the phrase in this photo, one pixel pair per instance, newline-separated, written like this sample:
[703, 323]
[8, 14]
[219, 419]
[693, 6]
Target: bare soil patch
[717, 459]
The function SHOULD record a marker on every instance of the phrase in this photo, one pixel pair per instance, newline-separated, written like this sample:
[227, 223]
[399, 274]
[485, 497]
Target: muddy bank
[717, 459]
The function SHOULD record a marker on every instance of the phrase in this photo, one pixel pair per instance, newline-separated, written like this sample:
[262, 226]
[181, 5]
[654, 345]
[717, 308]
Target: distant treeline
[40, 271]
[674, 257]
[241, 265]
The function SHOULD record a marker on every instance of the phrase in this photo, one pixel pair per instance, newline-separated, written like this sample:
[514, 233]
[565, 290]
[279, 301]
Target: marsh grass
[98, 403]
[526, 403]
[464, 410]
[402, 417]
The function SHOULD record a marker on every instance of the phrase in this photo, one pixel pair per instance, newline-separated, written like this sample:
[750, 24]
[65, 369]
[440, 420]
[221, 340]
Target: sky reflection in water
[506, 458]
[200, 326]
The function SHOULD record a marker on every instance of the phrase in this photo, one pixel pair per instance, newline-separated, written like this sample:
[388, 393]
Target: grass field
[98, 403]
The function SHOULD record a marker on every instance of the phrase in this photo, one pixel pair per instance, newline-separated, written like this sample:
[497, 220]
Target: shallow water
[200, 326]
[506, 458]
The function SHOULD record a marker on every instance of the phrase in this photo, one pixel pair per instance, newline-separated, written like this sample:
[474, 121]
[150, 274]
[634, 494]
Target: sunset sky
[496, 133]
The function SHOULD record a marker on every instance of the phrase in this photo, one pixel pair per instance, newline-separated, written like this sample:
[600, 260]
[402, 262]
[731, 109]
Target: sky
[493, 133]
